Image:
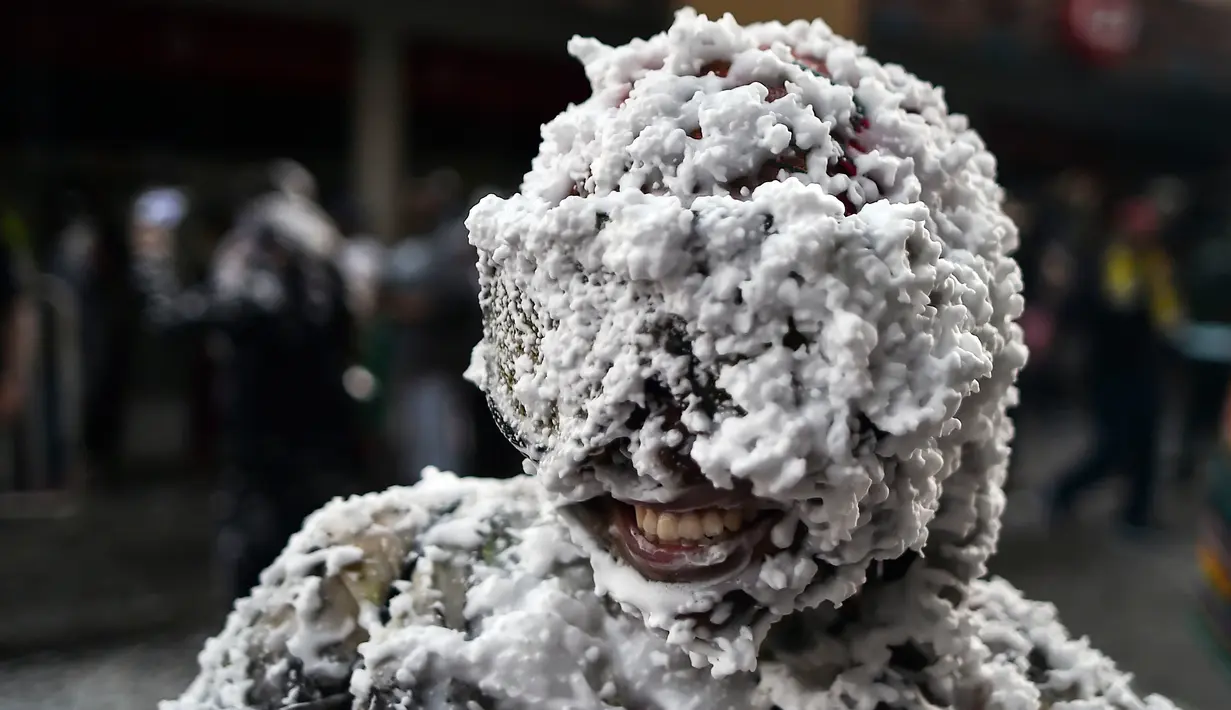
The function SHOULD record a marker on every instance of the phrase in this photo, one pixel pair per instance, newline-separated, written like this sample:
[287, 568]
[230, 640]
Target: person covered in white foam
[751, 319]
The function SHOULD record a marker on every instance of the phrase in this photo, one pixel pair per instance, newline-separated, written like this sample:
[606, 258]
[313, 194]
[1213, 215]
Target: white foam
[527, 629]
[906, 303]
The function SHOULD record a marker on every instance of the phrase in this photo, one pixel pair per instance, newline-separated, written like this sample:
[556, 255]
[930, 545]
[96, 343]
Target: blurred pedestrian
[18, 343]
[1129, 310]
[1053, 229]
[90, 256]
[18, 324]
[433, 296]
[278, 298]
[72, 260]
[362, 263]
[1059, 235]
[1205, 340]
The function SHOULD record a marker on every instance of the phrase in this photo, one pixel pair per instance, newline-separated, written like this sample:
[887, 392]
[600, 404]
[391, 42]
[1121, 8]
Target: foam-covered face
[751, 303]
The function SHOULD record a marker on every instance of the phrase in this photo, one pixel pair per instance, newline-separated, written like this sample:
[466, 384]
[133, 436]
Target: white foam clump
[499, 604]
[459, 591]
[843, 344]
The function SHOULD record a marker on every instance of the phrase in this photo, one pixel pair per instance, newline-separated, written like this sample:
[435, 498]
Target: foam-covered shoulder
[1029, 659]
[297, 636]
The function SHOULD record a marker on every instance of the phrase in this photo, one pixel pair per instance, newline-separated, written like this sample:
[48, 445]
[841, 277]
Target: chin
[711, 569]
[702, 537]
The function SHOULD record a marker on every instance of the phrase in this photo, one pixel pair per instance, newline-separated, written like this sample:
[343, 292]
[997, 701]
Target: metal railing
[41, 467]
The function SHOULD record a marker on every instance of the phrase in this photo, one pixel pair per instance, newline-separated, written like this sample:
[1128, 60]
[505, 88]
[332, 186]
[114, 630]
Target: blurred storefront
[1124, 86]
[361, 90]
[107, 97]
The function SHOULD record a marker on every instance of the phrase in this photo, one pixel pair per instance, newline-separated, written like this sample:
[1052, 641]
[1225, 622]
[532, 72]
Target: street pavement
[132, 676]
[128, 562]
[1134, 601]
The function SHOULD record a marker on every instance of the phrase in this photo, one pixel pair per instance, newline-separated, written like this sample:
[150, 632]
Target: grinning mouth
[694, 538]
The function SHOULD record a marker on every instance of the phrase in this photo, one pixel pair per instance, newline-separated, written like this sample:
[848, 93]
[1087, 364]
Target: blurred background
[1109, 119]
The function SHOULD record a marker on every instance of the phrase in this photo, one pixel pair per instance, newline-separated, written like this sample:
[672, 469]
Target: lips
[683, 541]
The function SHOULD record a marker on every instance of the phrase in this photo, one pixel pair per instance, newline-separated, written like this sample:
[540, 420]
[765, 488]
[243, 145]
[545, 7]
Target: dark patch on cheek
[637, 419]
[675, 342]
[407, 571]
[696, 248]
[912, 252]
[895, 569]
[791, 637]
[673, 458]
[793, 338]
[681, 464]
[953, 595]
[908, 657]
[868, 434]
[1039, 667]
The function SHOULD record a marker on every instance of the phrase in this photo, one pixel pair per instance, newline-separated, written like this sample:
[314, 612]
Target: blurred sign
[162, 207]
[1104, 29]
[1159, 39]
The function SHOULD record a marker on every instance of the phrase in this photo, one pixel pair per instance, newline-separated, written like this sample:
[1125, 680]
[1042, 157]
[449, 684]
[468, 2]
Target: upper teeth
[693, 525]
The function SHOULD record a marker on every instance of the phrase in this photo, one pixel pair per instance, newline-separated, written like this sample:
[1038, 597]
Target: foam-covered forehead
[796, 243]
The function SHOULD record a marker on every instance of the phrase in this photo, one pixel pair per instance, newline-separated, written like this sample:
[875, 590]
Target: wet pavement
[1134, 601]
[126, 563]
[133, 676]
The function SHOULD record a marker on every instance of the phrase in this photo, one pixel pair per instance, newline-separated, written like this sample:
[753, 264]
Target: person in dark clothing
[1131, 305]
[432, 286]
[90, 255]
[18, 345]
[289, 428]
[1205, 342]
[16, 337]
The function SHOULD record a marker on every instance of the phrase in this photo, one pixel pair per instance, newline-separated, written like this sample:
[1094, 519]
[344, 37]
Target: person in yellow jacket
[1129, 312]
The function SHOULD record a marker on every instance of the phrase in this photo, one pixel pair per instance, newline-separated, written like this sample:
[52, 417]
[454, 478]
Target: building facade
[361, 90]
